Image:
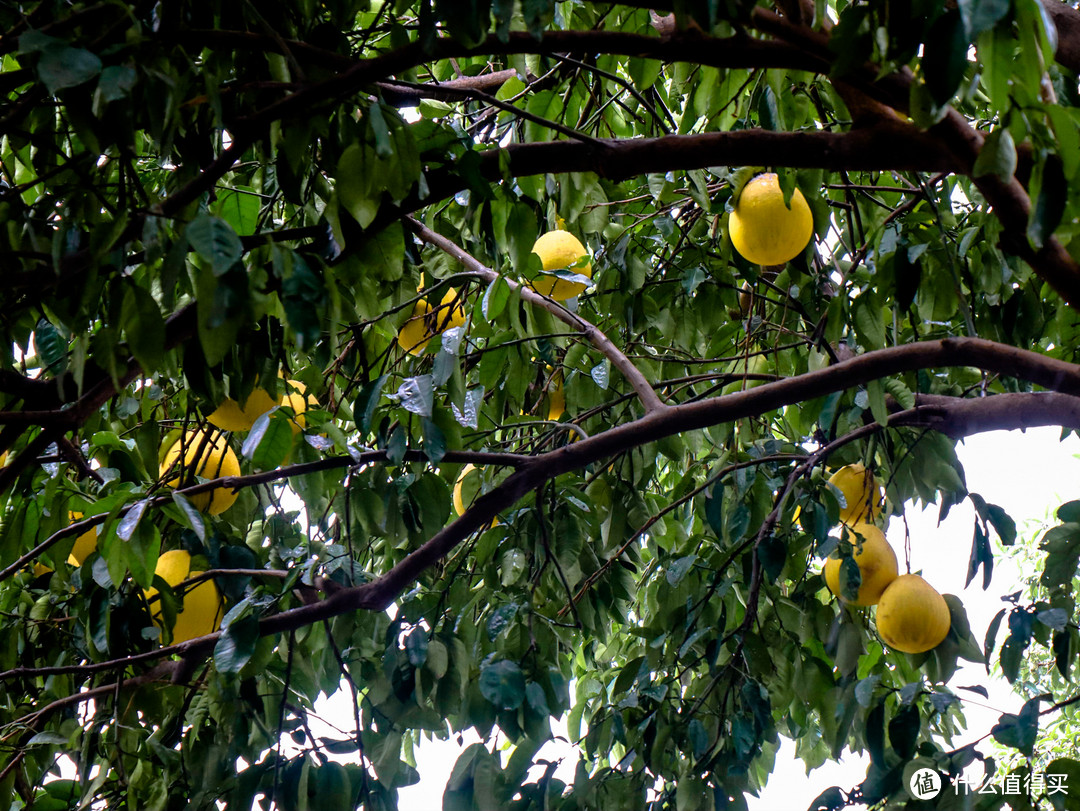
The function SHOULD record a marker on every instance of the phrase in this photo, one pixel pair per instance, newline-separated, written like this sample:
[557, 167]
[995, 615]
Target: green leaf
[368, 401]
[875, 733]
[269, 441]
[997, 156]
[303, 295]
[981, 15]
[239, 207]
[193, 516]
[876, 397]
[434, 441]
[904, 731]
[355, 189]
[1012, 656]
[678, 569]
[130, 522]
[52, 347]
[1053, 618]
[850, 579]
[1067, 775]
[768, 113]
[1049, 203]
[416, 647]
[236, 645]
[64, 67]
[495, 298]
[945, 56]
[117, 82]
[417, 394]
[503, 684]
[144, 328]
[981, 555]
[772, 552]
[870, 321]
[215, 241]
[1019, 731]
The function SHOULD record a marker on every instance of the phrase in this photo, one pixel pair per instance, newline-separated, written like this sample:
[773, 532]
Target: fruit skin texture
[231, 416]
[297, 398]
[912, 616]
[201, 612]
[862, 492]
[85, 543]
[558, 250]
[876, 561]
[217, 460]
[425, 323]
[556, 397]
[765, 231]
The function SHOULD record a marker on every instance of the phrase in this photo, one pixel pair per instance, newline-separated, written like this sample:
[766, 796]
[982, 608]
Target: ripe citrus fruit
[425, 323]
[297, 398]
[556, 397]
[467, 488]
[231, 416]
[763, 229]
[201, 610]
[85, 543]
[876, 561]
[560, 250]
[215, 461]
[912, 616]
[862, 492]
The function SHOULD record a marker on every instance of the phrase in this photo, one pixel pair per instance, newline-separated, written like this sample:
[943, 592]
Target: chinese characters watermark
[925, 784]
[1036, 783]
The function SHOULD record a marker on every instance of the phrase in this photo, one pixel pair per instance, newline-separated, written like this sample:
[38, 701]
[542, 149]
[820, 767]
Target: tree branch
[641, 386]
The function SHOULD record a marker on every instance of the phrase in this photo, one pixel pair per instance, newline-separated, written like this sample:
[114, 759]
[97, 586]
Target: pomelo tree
[204, 200]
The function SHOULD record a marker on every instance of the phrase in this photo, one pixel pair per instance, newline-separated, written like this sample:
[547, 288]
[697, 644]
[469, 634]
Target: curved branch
[641, 386]
[1013, 411]
[992, 357]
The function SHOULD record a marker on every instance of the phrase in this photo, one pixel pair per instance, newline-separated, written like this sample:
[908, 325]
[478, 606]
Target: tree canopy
[204, 200]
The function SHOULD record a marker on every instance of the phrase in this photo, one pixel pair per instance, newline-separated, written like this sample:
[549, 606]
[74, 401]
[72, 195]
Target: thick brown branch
[401, 95]
[1067, 21]
[952, 414]
[957, 417]
[987, 355]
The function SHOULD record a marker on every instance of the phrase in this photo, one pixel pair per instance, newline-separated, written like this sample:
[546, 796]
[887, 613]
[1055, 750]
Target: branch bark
[954, 415]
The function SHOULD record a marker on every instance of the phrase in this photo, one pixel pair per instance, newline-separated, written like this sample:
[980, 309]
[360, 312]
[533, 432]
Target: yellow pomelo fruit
[3, 458]
[912, 616]
[425, 322]
[297, 398]
[862, 492]
[413, 335]
[559, 250]
[85, 543]
[450, 313]
[201, 610]
[763, 229]
[215, 461]
[556, 398]
[877, 564]
[231, 416]
[467, 488]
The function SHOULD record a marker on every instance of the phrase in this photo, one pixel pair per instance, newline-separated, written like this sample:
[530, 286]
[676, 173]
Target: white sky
[1028, 474]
